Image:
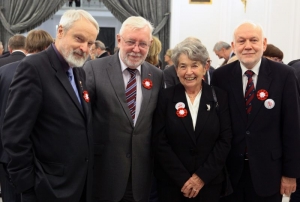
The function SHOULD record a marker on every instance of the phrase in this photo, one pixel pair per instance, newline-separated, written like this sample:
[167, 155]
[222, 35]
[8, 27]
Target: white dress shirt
[255, 69]
[139, 95]
[194, 107]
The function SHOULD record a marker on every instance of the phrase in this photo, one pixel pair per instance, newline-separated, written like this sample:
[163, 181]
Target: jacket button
[248, 132]
[192, 152]
[128, 155]
[86, 160]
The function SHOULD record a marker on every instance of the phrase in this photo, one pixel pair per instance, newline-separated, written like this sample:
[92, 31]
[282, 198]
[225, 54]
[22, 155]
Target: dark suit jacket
[103, 55]
[5, 54]
[270, 135]
[15, 56]
[6, 75]
[180, 150]
[46, 132]
[120, 147]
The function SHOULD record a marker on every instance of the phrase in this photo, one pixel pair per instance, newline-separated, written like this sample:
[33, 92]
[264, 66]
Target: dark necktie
[131, 92]
[250, 91]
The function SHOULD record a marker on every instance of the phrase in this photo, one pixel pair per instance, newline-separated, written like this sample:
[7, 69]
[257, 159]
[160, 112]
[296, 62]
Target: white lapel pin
[208, 107]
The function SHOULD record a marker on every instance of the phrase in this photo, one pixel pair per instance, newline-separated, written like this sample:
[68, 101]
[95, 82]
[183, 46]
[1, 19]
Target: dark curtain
[19, 16]
[155, 11]
[107, 36]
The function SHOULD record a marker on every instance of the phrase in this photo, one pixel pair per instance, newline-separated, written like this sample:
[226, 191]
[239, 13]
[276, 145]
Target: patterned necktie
[250, 91]
[131, 92]
[72, 81]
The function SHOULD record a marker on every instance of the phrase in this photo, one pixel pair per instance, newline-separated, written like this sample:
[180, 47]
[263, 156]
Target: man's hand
[288, 185]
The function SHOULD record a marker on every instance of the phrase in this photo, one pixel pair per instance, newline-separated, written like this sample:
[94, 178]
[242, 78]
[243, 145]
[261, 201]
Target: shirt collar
[62, 60]
[255, 69]
[124, 67]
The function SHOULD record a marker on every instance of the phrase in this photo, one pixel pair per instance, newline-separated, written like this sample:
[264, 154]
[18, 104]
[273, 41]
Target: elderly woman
[191, 131]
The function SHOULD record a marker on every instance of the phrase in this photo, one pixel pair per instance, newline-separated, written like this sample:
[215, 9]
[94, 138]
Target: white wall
[215, 22]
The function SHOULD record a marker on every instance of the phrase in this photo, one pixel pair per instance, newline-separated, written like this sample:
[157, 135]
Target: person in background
[191, 131]
[154, 51]
[108, 50]
[1, 48]
[16, 47]
[47, 127]
[264, 104]
[36, 41]
[124, 89]
[168, 59]
[273, 53]
[224, 51]
[100, 51]
[3, 53]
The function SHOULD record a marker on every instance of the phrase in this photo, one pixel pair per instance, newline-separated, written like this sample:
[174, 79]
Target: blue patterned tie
[250, 91]
[131, 92]
[72, 81]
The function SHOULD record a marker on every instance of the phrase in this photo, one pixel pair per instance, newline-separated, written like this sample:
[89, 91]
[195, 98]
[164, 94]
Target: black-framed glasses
[132, 43]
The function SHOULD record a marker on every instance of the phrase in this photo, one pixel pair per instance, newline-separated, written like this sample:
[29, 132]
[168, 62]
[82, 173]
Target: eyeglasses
[132, 43]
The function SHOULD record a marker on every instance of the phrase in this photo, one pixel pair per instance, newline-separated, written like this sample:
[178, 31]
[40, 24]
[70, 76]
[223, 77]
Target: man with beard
[123, 91]
[47, 129]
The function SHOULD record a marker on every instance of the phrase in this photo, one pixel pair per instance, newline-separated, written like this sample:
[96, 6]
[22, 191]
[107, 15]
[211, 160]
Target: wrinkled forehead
[248, 29]
[145, 31]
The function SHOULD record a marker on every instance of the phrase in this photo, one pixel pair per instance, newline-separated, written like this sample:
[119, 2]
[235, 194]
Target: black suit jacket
[270, 135]
[103, 55]
[15, 56]
[47, 132]
[6, 75]
[180, 150]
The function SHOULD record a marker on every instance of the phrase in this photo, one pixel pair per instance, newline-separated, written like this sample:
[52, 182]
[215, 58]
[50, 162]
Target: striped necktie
[249, 92]
[131, 92]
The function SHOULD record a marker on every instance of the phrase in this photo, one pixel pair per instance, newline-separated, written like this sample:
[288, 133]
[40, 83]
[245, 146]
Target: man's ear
[60, 31]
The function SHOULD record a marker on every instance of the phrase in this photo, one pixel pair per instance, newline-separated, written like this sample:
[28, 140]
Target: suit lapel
[115, 75]
[146, 74]
[203, 113]
[179, 96]
[61, 76]
[81, 87]
[263, 82]
[236, 84]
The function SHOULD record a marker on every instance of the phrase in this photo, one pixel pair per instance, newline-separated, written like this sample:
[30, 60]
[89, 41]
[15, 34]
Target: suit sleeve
[164, 154]
[24, 102]
[215, 161]
[291, 127]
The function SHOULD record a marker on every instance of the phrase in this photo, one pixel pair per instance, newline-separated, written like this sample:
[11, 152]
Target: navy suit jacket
[15, 56]
[47, 132]
[6, 75]
[181, 151]
[270, 135]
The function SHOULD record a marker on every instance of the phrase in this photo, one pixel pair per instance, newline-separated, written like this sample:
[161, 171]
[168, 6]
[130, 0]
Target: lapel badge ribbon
[147, 83]
[85, 96]
[262, 94]
[181, 111]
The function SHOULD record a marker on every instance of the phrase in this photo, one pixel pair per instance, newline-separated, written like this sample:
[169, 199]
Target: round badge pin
[269, 103]
[181, 112]
[179, 105]
[262, 94]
